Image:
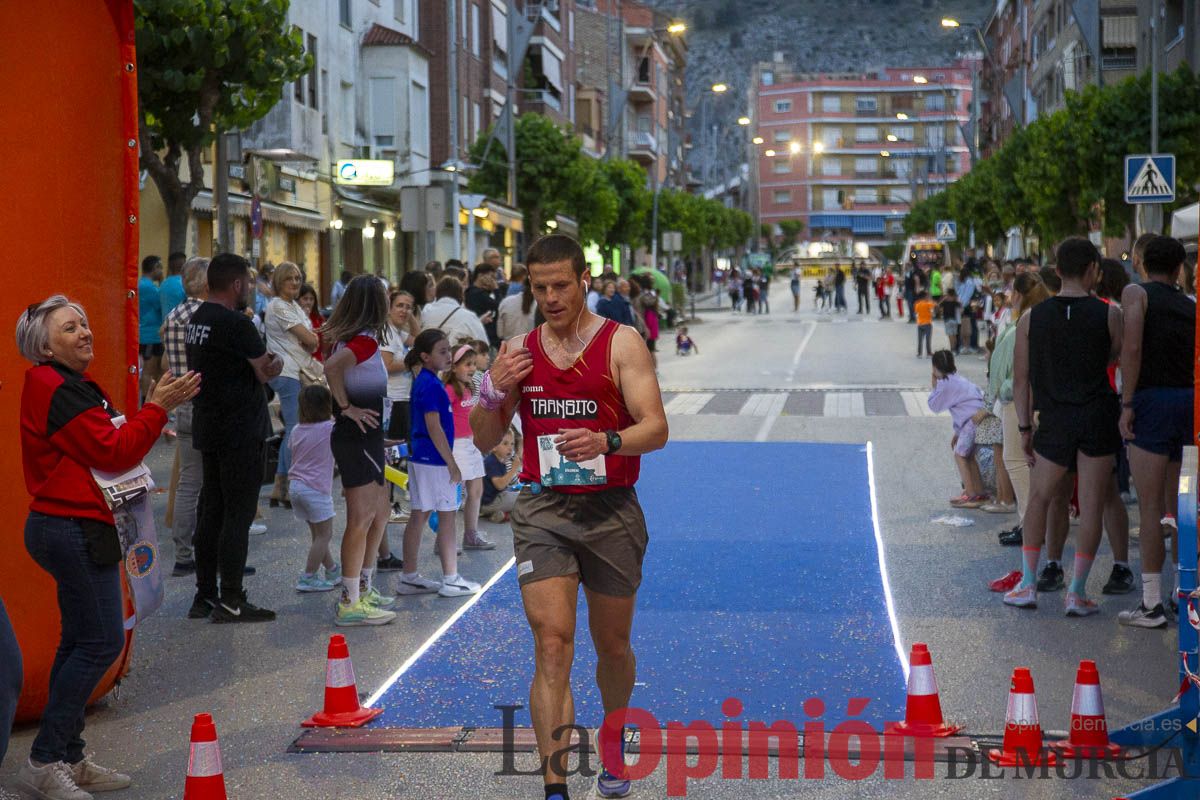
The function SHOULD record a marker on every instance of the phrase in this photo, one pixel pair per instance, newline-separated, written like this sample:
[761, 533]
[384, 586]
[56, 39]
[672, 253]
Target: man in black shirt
[862, 284]
[1060, 370]
[1157, 397]
[229, 425]
[481, 299]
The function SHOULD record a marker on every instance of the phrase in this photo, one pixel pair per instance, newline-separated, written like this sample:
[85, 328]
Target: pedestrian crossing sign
[1149, 179]
[946, 230]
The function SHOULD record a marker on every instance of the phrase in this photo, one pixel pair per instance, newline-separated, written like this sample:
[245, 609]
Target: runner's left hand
[580, 444]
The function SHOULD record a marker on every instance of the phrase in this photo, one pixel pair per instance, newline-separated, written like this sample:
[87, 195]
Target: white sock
[1151, 589]
[409, 576]
[367, 578]
[450, 578]
[350, 588]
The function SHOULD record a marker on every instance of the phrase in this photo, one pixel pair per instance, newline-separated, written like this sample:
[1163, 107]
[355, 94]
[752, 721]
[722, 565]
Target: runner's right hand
[511, 366]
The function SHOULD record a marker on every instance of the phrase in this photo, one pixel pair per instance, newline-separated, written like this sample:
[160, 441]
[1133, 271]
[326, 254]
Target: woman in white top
[515, 316]
[290, 336]
[399, 383]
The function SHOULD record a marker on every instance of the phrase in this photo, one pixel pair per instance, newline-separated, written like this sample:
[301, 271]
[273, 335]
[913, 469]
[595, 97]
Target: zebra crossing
[834, 402]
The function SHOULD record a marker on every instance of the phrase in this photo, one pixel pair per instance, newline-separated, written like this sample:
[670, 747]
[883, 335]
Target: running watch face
[614, 441]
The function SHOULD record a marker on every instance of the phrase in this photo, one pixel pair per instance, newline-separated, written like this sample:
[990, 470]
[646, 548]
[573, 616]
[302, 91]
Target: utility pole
[452, 104]
[221, 195]
[510, 134]
[1150, 214]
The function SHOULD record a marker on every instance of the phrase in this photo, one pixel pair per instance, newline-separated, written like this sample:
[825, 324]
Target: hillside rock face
[726, 38]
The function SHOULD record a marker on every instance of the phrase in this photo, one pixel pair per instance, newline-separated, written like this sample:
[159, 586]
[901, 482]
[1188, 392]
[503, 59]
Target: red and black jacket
[67, 430]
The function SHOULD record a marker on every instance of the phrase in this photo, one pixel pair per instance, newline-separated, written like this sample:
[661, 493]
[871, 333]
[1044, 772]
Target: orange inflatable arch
[68, 135]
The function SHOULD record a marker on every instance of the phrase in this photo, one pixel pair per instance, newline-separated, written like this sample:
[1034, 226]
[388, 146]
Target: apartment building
[626, 51]
[849, 153]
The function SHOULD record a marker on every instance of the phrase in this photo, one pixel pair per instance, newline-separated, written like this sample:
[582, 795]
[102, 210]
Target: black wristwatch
[614, 442]
[1024, 428]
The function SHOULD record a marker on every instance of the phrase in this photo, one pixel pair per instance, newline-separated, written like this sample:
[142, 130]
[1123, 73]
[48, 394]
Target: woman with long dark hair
[358, 380]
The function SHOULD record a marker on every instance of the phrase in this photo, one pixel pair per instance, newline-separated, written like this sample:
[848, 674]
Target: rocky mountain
[726, 38]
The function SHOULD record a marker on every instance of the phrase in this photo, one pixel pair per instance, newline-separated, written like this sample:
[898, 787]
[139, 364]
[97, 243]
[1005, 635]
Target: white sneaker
[461, 587]
[49, 782]
[92, 777]
[257, 529]
[313, 583]
[418, 585]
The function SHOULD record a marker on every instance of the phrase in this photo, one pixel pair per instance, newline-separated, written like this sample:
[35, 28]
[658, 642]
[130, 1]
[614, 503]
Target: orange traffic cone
[1089, 729]
[205, 778]
[342, 709]
[1022, 731]
[923, 709]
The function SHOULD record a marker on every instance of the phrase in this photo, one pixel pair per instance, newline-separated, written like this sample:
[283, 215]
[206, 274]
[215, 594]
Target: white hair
[33, 336]
[195, 276]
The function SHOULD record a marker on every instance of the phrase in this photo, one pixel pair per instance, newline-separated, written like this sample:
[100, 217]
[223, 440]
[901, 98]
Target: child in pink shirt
[963, 399]
[310, 484]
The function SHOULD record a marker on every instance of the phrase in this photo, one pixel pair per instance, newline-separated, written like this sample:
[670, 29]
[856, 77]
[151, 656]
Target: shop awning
[287, 216]
[829, 221]
[358, 206]
[504, 216]
[867, 224]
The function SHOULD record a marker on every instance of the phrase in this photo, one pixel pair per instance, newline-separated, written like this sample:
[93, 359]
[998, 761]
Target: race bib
[556, 470]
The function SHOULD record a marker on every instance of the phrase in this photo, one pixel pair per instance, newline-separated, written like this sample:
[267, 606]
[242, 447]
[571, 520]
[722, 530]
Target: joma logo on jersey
[549, 408]
[532, 389]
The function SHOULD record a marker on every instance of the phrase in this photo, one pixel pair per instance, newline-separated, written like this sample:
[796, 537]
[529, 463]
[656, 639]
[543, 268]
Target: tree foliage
[1064, 173]
[206, 66]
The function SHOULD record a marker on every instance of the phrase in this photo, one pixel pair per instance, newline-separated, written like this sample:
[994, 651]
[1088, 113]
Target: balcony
[642, 145]
[642, 92]
[289, 128]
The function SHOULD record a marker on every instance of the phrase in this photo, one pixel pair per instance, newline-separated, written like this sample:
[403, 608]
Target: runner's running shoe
[1141, 617]
[1077, 606]
[1011, 537]
[418, 585]
[460, 587]
[1120, 581]
[1022, 598]
[1051, 578]
[348, 615]
[609, 785]
[1007, 583]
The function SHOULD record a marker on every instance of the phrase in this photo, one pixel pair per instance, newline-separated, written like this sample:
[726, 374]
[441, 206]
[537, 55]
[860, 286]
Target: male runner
[590, 405]
[1157, 390]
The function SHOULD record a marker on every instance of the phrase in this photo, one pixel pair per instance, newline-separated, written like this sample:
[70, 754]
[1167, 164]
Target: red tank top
[582, 396]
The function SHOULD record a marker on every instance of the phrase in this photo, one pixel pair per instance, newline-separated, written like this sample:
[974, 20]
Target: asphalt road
[784, 377]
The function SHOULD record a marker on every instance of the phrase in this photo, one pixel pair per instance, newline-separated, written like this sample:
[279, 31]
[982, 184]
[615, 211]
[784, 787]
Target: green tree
[591, 199]
[791, 229]
[206, 66]
[634, 203]
[546, 156]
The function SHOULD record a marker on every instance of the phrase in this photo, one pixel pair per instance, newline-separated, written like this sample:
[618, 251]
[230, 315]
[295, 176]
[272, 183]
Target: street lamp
[719, 88]
[900, 115]
[757, 140]
[891, 137]
[920, 79]
[677, 28]
[794, 148]
[769, 154]
[948, 22]
[818, 147]
[743, 121]
[884, 153]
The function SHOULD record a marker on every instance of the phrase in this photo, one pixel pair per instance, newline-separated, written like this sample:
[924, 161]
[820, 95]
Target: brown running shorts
[600, 535]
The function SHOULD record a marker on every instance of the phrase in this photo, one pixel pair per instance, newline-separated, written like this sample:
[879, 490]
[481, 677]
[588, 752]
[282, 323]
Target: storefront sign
[360, 172]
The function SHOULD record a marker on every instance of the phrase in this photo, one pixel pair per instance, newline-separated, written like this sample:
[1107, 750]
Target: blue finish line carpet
[761, 582]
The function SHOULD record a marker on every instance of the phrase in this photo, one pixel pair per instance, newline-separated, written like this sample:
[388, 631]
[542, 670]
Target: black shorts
[1162, 420]
[150, 350]
[1065, 431]
[400, 424]
[358, 455]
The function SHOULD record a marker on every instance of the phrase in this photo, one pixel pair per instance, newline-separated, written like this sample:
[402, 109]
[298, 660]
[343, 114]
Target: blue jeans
[288, 390]
[93, 631]
[11, 673]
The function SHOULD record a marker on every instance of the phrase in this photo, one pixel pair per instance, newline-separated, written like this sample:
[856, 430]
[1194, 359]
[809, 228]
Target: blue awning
[829, 221]
[869, 224]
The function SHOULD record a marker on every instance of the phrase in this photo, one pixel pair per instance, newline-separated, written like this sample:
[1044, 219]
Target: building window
[831, 167]
[550, 68]
[344, 12]
[401, 11]
[312, 83]
[903, 132]
[418, 116]
[829, 199]
[347, 115]
[475, 29]
[866, 104]
[781, 166]
[900, 194]
[783, 135]
[383, 113]
[866, 166]
[325, 94]
[298, 87]
[831, 103]
[935, 102]
[768, 78]
[935, 135]
[783, 106]
[866, 133]
[783, 197]
[866, 195]
[499, 41]
[831, 137]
